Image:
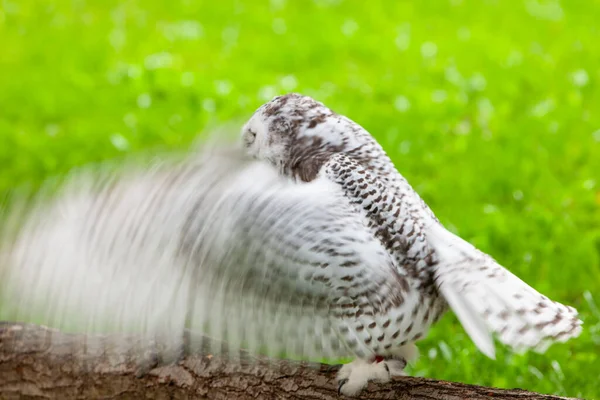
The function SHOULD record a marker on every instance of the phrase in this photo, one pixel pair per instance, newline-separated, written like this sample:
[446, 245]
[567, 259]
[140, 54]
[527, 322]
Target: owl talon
[340, 385]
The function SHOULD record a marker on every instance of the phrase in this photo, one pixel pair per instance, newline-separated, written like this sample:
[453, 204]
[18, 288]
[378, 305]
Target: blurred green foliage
[490, 108]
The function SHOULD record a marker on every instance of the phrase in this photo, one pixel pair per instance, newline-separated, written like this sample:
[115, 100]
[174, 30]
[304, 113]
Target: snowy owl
[433, 268]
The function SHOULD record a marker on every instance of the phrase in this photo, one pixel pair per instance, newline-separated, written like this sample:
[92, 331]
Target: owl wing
[220, 245]
[486, 297]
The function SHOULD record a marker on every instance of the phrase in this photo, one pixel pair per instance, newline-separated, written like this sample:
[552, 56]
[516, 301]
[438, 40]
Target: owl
[302, 240]
[433, 269]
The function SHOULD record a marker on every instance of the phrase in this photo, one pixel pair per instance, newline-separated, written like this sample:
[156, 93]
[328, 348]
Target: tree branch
[32, 368]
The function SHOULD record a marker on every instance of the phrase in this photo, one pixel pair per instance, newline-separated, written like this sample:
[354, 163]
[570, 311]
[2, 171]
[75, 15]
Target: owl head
[298, 134]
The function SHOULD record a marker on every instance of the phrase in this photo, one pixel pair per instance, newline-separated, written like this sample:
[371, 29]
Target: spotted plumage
[434, 268]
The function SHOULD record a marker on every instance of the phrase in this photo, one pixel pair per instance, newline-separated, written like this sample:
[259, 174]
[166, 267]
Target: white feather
[488, 298]
[218, 244]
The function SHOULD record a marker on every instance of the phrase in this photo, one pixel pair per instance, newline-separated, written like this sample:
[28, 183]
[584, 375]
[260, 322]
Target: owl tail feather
[488, 299]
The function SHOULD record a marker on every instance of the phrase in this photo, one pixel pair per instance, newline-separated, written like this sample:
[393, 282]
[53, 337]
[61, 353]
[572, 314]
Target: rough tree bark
[31, 368]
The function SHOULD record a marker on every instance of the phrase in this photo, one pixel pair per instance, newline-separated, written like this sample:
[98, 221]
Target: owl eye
[250, 137]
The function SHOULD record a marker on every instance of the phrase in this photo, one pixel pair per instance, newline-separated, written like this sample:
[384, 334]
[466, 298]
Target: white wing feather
[488, 298]
[221, 245]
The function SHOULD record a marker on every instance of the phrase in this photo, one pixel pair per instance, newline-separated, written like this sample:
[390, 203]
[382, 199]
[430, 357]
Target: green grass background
[491, 109]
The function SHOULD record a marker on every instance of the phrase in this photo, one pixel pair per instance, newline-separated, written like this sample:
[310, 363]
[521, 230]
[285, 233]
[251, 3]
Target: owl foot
[354, 376]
